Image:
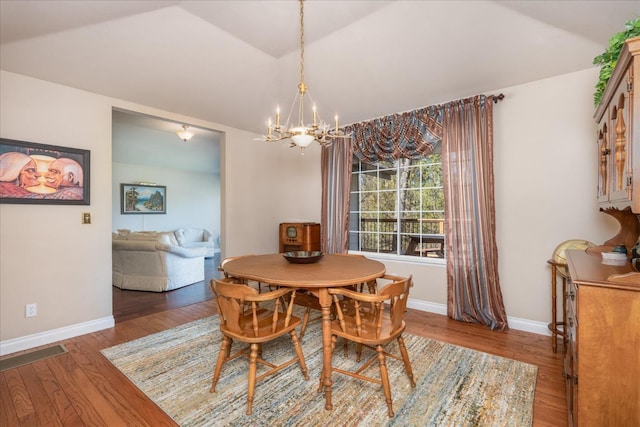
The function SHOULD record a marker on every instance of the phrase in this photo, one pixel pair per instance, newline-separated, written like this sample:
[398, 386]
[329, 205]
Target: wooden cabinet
[602, 362]
[299, 236]
[618, 141]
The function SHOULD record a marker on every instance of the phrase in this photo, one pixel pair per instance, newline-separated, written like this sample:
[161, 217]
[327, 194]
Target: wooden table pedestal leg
[325, 302]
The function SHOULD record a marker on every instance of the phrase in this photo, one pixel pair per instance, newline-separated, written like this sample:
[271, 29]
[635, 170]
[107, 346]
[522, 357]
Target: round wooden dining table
[332, 270]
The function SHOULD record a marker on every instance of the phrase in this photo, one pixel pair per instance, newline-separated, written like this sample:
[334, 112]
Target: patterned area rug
[455, 386]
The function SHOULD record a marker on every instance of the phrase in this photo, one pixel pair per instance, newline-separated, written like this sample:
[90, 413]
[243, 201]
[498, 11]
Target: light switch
[86, 217]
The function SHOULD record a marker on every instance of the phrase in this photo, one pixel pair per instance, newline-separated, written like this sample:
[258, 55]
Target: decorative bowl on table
[303, 257]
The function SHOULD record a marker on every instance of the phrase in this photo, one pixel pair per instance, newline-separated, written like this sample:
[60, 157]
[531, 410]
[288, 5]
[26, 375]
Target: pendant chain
[302, 43]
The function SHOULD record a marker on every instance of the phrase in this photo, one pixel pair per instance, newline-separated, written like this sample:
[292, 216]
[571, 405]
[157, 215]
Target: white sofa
[152, 261]
[196, 238]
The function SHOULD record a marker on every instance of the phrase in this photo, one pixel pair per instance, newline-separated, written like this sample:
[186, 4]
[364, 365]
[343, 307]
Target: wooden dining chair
[373, 321]
[370, 286]
[254, 327]
[252, 283]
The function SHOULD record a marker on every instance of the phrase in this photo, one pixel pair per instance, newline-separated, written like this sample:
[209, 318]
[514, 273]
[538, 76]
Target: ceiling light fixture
[301, 134]
[185, 134]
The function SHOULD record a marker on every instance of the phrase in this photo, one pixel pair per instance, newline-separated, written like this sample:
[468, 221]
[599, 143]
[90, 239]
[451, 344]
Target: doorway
[147, 149]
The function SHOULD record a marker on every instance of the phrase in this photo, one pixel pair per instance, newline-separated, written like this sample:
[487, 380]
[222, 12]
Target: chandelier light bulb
[185, 134]
[302, 140]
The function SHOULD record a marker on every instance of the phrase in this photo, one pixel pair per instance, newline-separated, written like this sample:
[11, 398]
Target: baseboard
[48, 337]
[53, 335]
[517, 323]
[429, 307]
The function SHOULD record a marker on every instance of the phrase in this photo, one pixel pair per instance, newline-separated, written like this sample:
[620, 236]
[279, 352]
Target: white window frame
[355, 213]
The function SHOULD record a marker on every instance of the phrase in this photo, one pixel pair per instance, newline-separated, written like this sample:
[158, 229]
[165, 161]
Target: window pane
[388, 199]
[368, 202]
[388, 180]
[398, 207]
[410, 200]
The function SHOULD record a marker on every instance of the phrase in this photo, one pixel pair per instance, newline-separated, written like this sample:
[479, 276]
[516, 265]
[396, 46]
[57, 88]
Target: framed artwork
[143, 199]
[32, 173]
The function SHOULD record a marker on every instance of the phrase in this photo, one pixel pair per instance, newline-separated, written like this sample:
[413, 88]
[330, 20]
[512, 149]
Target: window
[398, 207]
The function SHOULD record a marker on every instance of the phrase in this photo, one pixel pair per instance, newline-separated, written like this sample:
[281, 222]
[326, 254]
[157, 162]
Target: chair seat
[369, 334]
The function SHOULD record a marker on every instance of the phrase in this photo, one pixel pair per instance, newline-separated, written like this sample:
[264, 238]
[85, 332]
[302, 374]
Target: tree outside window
[398, 207]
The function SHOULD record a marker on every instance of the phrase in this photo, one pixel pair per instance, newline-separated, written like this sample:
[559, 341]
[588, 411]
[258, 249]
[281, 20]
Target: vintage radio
[299, 236]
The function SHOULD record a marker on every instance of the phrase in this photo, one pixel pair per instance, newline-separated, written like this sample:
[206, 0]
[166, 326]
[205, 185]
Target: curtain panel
[335, 167]
[473, 286]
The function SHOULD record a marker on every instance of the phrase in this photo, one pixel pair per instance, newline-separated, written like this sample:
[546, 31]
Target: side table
[556, 327]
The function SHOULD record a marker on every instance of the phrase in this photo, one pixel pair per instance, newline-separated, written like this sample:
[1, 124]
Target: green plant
[608, 59]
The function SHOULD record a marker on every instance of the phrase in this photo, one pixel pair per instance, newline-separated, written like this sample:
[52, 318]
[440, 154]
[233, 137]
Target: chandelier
[301, 134]
[185, 134]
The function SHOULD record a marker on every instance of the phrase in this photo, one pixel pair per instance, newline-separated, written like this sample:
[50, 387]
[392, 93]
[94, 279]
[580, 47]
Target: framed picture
[32, 173]
[143, 199]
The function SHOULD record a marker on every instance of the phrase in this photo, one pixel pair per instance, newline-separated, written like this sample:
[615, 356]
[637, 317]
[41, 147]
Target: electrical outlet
[31, 310]
[86, 217]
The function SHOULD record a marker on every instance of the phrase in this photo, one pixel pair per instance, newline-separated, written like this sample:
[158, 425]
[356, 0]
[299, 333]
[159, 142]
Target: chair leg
[358, 350]
[253, 357]
[229, 348]
[222, 357]
[305, 320]
[384, 376]
[405, 359]
[296, 346]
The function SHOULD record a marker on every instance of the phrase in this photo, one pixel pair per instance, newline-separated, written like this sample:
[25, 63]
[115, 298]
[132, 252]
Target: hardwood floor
[129, 305]
[82, 388]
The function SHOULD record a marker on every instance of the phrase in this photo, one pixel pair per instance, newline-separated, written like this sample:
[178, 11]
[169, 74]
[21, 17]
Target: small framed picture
[143, 199]
[32, 173]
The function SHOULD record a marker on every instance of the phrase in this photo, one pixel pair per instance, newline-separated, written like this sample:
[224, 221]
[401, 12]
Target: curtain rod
[496, 98]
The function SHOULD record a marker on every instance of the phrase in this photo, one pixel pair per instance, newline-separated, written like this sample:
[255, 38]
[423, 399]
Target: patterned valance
[411, 135]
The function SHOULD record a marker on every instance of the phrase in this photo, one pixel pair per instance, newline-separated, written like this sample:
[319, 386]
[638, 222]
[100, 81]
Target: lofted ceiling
[232, 62]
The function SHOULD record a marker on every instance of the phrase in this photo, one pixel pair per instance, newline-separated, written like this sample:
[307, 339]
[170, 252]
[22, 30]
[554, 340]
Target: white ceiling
[232, 62]
[150, 141]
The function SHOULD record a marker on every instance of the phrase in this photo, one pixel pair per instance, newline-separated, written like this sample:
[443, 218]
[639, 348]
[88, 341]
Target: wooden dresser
[602, 362]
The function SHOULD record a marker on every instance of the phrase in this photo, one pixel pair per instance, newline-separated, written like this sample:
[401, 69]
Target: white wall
[545, 175]
[545, 171]
[193, 199]
[147, 149]
[48, 257]
[545, 180]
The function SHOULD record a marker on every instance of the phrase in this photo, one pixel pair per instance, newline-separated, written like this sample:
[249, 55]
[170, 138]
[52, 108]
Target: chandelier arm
[291, 109]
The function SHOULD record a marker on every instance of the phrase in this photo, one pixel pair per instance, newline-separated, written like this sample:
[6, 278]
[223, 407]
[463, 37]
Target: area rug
[455, 386]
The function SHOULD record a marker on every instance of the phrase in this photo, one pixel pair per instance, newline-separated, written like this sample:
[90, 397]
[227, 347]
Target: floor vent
[34, 356]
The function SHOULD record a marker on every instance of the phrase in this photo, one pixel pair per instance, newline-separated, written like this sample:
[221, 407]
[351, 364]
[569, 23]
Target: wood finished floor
[81, 388]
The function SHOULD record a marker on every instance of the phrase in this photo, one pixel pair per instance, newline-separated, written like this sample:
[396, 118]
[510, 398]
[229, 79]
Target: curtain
[473, 286]
[410, 135]
[336, 184]
[465, 130]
